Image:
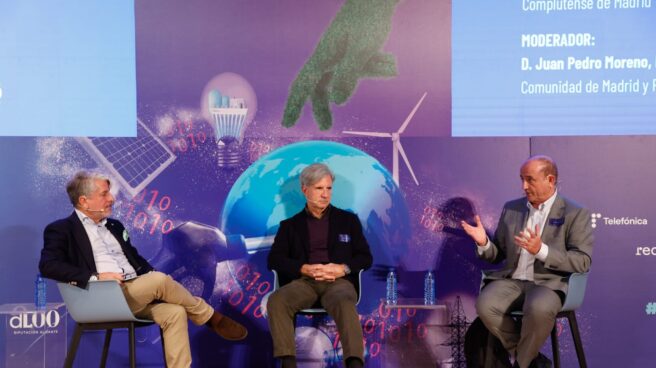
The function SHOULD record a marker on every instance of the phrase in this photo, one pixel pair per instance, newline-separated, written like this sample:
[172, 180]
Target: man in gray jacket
[543, 238]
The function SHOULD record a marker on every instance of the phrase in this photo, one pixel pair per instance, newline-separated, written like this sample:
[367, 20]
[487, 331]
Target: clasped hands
[323, 272]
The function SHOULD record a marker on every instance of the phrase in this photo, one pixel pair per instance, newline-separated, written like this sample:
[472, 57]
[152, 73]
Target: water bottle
[429, 288]
[40, 292]
[392, 296]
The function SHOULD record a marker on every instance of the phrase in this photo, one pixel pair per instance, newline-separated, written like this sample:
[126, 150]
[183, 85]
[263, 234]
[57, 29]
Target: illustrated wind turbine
[396, 143]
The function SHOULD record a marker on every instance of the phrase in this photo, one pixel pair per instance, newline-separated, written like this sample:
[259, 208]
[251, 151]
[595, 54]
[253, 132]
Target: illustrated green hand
[348, 50]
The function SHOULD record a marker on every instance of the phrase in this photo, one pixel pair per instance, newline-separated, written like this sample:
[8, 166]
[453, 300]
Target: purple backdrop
[181, 47]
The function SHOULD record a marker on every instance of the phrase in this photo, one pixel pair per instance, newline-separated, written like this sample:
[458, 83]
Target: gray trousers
[338, 298]
[539, 304]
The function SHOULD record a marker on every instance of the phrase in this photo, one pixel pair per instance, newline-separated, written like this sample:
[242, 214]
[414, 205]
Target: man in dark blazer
[318, 254]
[88, 246]
[543, 238]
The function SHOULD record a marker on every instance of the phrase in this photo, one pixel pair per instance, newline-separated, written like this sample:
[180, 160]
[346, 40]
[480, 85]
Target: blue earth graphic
[269, 191]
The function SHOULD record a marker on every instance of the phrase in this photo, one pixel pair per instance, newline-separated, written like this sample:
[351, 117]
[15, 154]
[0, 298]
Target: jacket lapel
[301, 225]
[332, 232]
[522, 219]
[557, 213]
[115, 231]
[82, 240]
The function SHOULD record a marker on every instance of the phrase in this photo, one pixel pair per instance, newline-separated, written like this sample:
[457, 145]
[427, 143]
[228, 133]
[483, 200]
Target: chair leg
[105, 352]
[578, 344]
[133, 358]
[554, 345]
[72, 349]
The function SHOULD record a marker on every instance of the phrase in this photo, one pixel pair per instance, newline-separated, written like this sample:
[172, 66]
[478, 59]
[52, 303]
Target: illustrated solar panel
[134, 162]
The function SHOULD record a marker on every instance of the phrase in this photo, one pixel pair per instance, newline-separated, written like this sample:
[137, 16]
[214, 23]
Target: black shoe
[354, 362]
[540, 361]
[288, 361]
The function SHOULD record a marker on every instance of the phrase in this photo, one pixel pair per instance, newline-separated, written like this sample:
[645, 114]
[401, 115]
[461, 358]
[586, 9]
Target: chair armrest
[101, 301]
[359, 287]
[576, 285]
[276, 280]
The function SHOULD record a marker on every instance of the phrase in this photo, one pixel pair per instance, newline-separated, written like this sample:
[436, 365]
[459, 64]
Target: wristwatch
[94, 277]
[347, 269]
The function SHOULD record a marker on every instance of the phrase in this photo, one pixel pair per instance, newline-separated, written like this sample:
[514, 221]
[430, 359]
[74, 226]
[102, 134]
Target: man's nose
[524, 185]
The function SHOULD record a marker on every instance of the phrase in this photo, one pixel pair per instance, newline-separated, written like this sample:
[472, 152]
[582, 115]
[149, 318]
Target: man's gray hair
[83, 184]
[314, 173]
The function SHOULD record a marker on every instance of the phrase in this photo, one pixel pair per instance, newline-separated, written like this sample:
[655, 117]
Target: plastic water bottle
[392, 296]
[429, 288]
[40, 292]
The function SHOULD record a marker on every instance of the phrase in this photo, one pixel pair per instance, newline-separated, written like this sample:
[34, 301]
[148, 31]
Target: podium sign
[422, 339]
[34, 338]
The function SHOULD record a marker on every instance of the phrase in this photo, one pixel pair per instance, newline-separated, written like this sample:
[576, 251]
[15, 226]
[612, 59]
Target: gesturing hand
[529, 240]
[347, 51]
[475, 232]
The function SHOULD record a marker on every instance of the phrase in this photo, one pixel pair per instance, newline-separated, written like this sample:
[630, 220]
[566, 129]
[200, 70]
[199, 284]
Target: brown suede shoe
[226, 327]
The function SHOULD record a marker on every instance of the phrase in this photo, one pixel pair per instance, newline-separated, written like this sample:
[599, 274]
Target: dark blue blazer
[67, 255]
[346, 245]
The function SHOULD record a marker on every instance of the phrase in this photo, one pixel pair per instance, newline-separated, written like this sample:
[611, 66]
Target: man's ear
[82, 202]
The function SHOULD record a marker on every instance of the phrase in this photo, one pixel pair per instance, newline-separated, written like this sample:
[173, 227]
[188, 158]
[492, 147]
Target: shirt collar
[324, 214]
[544, 205]
[86, 220]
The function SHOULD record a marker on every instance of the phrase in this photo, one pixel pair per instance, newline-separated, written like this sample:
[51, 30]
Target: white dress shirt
[107, 252]
[524, 270]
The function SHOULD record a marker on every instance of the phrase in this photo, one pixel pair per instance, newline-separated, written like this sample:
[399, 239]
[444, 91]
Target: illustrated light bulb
[228, 114]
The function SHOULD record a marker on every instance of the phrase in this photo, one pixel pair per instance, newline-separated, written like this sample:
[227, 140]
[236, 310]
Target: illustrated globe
[269, 191]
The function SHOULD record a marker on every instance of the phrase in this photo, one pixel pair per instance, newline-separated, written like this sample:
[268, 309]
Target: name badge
[556, 221]
[344, 238]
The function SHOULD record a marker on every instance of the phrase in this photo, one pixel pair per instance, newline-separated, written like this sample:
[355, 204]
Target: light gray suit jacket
[567, 232]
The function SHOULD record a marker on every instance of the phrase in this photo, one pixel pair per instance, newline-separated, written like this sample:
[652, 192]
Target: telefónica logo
[599, 219]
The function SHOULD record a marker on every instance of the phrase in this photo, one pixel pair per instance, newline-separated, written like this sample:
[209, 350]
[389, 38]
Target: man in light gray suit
[543, 238]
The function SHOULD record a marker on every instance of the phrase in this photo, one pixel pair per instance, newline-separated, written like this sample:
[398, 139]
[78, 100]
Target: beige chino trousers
[157, 296]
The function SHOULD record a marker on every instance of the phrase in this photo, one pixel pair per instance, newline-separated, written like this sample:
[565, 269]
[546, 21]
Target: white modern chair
[101, 306]
[574, 298]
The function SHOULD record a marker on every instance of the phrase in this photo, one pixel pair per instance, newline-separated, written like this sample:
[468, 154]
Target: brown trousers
[157, 296]
[338, 298]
